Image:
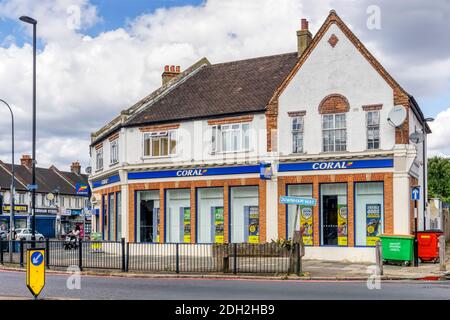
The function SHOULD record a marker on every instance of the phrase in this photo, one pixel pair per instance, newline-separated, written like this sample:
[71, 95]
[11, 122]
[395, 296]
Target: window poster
[373, 221]
[187, 225]
[306, 225]
[218, 224]
[253, 224]
[156, 218]
[342, 224]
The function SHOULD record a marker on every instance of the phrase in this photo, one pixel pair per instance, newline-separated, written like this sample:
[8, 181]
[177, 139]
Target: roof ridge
[254, 58]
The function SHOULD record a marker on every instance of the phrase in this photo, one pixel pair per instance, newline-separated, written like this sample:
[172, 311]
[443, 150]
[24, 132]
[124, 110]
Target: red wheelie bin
[429, 245]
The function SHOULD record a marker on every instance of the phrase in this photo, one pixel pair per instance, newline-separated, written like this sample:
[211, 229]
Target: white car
[25, 234]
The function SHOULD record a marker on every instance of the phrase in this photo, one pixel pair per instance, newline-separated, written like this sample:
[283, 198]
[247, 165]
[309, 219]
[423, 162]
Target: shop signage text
[17, 208]
[336, 165]
[46, 211]
[311, 202]
[106, 181]
[194, 172]
[82, 189]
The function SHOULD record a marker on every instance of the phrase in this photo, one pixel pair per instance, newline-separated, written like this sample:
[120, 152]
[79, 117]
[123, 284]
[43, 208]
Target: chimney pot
[304, 24]
[166, 68]
[169, 73]
[75, 168]
[177, 69]
[26, 161]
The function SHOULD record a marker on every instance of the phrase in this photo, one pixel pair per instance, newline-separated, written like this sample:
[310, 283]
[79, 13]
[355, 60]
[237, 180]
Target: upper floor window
[334, 132]
[99, 159]
[297, 134]
[160, 144]
[230, 137]
[114, 155]
[373, 129]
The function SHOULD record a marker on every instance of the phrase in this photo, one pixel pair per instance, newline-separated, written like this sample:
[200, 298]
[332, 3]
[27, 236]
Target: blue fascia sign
[336, 165]
[415, 193]
[194, 172]
[310, 202]
[106, 181]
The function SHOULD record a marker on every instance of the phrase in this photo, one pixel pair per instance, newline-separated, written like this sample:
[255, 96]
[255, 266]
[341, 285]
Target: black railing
[268, 258]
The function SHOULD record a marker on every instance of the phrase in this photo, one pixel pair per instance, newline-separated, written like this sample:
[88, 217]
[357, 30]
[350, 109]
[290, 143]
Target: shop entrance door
[330, 220]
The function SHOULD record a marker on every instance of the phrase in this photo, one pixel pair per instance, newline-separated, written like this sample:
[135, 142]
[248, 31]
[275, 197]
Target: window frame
[216, 140]
[171, 136]
[368, 127]
[114, 152]
[98, 152]
[334, 130]
[301, 131]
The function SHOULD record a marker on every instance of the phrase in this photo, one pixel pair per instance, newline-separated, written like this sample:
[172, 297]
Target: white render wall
[342, 70]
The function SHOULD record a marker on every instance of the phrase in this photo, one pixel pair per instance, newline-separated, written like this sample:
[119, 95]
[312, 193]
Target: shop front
[353, 206]
[198, 205]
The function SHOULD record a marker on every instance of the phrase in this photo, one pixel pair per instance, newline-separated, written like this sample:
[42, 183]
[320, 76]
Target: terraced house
[206, 157]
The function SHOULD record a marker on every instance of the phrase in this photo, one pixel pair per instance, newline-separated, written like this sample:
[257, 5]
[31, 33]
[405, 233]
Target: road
[12, 284]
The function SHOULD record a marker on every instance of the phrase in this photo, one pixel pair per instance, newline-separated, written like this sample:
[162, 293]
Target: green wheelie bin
[397, 249]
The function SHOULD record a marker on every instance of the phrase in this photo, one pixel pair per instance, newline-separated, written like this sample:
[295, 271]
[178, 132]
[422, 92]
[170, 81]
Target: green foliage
[439, 178]
[283, 243]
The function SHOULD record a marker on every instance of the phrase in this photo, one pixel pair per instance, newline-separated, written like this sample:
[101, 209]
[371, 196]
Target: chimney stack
[169, 73]
[75, 168]
[26, 161]
[304, 37]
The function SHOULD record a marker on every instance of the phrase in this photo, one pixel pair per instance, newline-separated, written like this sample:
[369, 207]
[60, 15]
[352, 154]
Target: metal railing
[268, 258]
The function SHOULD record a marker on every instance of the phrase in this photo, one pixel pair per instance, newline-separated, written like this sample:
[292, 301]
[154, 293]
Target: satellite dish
[416, 137]
[397, 116]
[88, 170]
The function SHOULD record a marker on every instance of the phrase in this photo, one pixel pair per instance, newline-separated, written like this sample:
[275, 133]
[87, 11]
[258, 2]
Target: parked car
[25, 234]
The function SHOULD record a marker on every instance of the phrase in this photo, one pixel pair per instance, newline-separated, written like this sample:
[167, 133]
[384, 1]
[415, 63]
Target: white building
[184, 163]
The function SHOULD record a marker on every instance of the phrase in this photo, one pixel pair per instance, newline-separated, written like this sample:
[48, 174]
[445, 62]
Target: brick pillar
[316, 212]
[388, 204]
[226, 212]
[350, 212]
[162, 209]
[262, 211]
[193, 215]
[281, 209]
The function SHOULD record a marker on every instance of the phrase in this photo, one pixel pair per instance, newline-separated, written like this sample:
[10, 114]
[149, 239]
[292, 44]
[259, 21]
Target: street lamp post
[33, 191]
[11, 202]
[425, 178]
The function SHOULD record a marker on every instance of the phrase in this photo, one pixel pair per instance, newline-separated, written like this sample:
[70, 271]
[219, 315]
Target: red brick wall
[334, 103]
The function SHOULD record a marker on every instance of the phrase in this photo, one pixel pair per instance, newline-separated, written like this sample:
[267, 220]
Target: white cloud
[439, 141]
[84, 81]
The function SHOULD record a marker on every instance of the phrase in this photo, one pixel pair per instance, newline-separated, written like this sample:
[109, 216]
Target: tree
[439, 178]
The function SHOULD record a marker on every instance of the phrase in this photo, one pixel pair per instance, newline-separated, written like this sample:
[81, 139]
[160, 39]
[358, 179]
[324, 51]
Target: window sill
[158, 157]
[113, 164]
[230, 152]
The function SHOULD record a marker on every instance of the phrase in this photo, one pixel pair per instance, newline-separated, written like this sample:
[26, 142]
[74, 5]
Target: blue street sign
[32, 187]
[415, 193]
[310, 202]
[37, 258]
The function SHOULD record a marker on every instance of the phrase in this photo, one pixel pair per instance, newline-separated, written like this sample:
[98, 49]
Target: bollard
[47, 253]
[127, 265]
[21, 253]
[379, 258]
[80, 254]
[124, 267]
[234, 258]
[177, 258]
[298, 267]
[442, 253]
[1, 251]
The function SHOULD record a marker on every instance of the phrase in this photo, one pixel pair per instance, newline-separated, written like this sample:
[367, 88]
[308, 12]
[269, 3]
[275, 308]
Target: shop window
[119, 214]
[111, 218]
[244, 215]
[210, 219]
[297, 134]
[148, 216]
[369, 212]
[160, 144]
[373, 129]
[99, 159]
[333, 207]
[178, 215]
[230, 137]
[305, 215]
[334, 132]
[114, 153]
[104, 216]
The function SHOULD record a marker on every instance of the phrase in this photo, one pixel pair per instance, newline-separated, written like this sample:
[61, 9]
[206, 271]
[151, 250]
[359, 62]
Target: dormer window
[160, 143]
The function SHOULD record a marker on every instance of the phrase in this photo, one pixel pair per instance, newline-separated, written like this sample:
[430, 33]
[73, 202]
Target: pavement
[12, 286]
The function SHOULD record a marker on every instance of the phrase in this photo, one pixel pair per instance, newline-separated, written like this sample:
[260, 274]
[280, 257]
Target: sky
[98, 57]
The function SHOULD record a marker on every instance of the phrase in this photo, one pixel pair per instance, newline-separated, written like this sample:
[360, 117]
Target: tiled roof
[46, 179]
[237, 87]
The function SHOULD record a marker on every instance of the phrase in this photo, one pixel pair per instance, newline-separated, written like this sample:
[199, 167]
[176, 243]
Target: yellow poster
[35, 270]
[306, 225]
[218, 225]
[253, 224]
[187, 225]
[342, 225]
[373, 222]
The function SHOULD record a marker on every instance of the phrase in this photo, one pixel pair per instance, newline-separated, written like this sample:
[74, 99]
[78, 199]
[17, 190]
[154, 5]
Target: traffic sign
[35, 271]
[309, 202]
[32, 187]
[415, 193]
